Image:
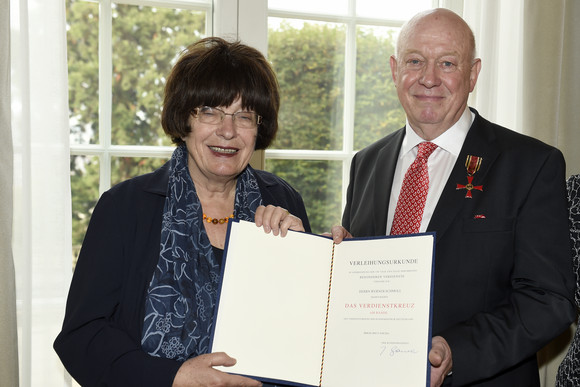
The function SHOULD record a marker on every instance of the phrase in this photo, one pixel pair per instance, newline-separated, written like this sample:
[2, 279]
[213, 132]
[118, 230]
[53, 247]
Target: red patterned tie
[413, 195]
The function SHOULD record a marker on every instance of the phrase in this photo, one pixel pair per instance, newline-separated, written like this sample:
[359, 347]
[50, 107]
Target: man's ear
[474, 74]
[393, 63]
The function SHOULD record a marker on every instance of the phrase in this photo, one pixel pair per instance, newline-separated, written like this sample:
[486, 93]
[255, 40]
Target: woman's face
[218, 153]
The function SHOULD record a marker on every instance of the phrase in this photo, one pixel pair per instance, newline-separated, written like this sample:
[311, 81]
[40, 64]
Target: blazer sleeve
[95, 343]
[538, 305]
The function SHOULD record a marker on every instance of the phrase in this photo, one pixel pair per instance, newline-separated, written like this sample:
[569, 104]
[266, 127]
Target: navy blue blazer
[100, 341]
[503, 280]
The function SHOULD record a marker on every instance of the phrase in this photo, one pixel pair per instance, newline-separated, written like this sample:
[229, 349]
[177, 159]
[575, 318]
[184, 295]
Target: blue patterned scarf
[180, 301]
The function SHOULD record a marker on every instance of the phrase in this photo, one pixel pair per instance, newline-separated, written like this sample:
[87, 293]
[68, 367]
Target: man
[503, 284]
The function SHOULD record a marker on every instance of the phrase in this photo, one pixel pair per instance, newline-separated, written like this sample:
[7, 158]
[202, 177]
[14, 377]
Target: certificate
[303, 311]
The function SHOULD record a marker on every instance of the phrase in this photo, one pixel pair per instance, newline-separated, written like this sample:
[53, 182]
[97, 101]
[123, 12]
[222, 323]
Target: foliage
[377, 108]
[146, 43]
[83, 70]
[84, 180]
[310, 64]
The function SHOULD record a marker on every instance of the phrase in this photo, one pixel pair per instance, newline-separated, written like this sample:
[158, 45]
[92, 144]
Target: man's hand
[339, 233]
[440, 359]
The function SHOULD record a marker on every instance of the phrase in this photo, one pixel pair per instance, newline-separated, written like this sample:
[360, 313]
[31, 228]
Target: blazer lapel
[479, 142]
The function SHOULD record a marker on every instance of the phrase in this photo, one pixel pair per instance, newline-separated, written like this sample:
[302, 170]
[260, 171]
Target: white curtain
[8, 341]
[551, 80]
[42, 214]
[497, 26]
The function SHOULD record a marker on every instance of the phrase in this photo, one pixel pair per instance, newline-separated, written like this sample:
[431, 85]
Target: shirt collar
[451, 140]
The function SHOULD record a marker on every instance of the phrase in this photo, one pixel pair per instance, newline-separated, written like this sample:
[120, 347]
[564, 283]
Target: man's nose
[430, 76]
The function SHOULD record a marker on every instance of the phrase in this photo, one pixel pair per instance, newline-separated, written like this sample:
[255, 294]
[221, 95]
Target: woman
[141, 303]
[569, 370]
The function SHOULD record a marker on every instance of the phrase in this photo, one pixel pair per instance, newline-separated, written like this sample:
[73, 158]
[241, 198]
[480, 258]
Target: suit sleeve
[540, 302]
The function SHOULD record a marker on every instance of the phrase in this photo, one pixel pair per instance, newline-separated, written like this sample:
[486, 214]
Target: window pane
[309, 61]
[123, 168]
[391, 9]
[377, 108]
[146, 43]
[84, 182]
[337, 7]
[83, 71]
[319, 183]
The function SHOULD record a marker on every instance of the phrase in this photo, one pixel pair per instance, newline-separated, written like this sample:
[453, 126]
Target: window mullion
[349, 97]
[225, 18]
[105, 91]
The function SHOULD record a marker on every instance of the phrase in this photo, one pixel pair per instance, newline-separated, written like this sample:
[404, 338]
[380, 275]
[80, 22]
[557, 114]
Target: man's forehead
[430, 52]
[435, 42]
[437, 28]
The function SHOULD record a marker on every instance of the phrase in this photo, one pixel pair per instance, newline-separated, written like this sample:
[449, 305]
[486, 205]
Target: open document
[303, 311]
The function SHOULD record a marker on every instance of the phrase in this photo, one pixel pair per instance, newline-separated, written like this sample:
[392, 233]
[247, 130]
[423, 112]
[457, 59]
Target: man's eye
[414, 62]
[448, 65]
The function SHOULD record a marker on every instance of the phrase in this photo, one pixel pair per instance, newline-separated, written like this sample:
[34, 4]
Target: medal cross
[469, 186]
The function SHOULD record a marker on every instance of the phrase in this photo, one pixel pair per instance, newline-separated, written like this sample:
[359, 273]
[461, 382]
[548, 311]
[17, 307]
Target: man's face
[434, 73]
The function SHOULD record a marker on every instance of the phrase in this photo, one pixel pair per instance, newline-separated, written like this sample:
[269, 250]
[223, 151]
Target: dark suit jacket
[100, 341]
[503, 282]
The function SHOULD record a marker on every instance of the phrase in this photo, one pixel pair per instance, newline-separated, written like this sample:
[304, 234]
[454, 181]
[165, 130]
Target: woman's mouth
[225, 151]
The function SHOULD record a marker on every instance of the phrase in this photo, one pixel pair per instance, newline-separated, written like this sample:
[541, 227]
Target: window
[331, 58]
[332, 62]
[119, 54]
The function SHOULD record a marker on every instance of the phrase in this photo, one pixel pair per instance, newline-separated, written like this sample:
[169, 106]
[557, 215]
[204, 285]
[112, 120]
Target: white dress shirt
[440, 164]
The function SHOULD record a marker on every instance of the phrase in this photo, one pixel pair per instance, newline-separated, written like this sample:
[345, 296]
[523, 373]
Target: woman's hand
[199, 371]
[277, 220]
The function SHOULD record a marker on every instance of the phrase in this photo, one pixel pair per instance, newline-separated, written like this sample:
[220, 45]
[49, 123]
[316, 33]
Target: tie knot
[425, 149]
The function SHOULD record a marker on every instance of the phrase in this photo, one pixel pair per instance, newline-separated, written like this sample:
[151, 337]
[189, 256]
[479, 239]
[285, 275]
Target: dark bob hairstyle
[215, 72]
